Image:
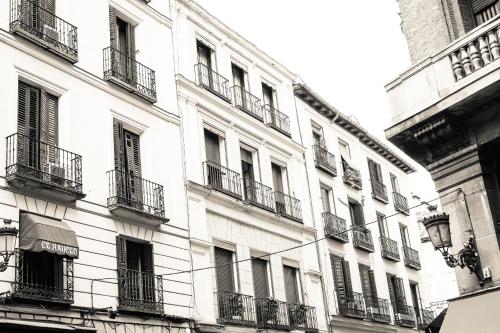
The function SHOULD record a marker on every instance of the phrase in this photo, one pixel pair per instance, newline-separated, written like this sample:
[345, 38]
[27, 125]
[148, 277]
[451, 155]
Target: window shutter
[48, 127]
[399, 292]
[28, 115]
[391, 292]
[338, 276]
[347, 277]
[131, 46]
[479, 5]
[366, 284]
[113, 34]
[371, 169]
[291, 288]
[119, 145]
[358, 215]
[212, 147]
[224, 270]
[121, 256]
[133, 167]
[260, 282]
[47, 17]
[148, 267]
[373, 285]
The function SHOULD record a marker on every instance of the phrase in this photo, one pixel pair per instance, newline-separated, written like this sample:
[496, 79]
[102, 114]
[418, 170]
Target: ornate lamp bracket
[467, 257]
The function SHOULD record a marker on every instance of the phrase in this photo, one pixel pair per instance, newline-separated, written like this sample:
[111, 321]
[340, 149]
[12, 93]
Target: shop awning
[475, 313]
[38, 233]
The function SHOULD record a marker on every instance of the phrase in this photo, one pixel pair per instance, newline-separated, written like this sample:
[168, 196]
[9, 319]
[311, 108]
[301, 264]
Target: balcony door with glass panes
[325, 199]
[125, 45]
[239, 81]
[382, 225]
[247, 172]
[206, 64]
[279, 197]
[405, 239]
[213, 158]
[394, 183]
[268, 100]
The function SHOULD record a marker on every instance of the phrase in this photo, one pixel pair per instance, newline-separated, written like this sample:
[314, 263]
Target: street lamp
[437, 225]
[8, 235]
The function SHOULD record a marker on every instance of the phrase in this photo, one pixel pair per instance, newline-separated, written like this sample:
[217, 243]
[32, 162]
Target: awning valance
[38, 233]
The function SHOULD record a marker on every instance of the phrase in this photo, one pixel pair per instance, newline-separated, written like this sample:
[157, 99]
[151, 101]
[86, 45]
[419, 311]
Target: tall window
[345, 151]
[405, 237]
[394, 183]
[375, 171]
[382, 225]
[122, 40]
[396, 293]
[260, 274]
[356, 212]
[269, 95]
[205, 54]
[325, 198]
[342, 279]
[368, 285]
[224, 270]
[292, 291]
[239, 76]
[485, 10]
[415, 297]
[318, 137]
[247, 172]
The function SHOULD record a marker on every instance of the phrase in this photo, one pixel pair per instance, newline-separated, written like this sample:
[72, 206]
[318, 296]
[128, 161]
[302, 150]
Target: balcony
[140, 292]
[124, 71]
[400, 203]
[277, 120]
[30, 284]
[288, 206]
[379, 191]
[135, 199]
[38, 168]
[302, 317]
[335, 227]
[324, 160]
[411, 257]
[222, 179]
[272, 314]
[259, 195]
[212, 81]
[235, 309]
[353, 305]
[247, 102]
[389, 249]
[424, 318]
[32, 22]
[362, 239]
[405, 316]
[351, 176]
[379, 310]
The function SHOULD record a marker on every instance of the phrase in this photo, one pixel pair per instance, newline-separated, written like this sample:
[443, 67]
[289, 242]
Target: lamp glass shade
[8, 238]
[437, 225]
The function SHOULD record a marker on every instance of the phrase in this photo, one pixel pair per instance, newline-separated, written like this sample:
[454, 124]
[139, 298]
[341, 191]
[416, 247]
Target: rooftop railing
[335, 227]
[212, 81]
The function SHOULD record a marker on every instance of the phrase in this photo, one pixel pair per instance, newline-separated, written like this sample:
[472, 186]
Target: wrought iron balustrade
[351, 176]
[236, 309]
[247, 102]
[412, 259]
[123, 70]
[288, 206]
[389, 248]
[271, 314]
[258, 194]
[425, 318]
[362, 239]
[400, 203]
[379, 191]
[136, 193]
[42, 27]
[140, 291]
[41, 162]
[335, 227]
[35, 283]
[324, 160]
[222, 179]
[378, 309]
[302, 317]
[212, 81]
[277, 120]
[405, 316]
[353, 305]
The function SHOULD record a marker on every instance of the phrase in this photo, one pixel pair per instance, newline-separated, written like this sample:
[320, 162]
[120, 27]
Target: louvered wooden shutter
[260, 282]
[28, 111]
[366, 284]
[118, 145]
[212, 147]
[399, 292]
[391, 292]
[148, 267]
[347, 277]
[121, 256]
[358, 215]
[479, 5]
[371, 169]
[291, 288]
[224, 270]
[47, 17]
[113, 33]
[48, 130]
[373, 285]
[133, 168]
[338, 276]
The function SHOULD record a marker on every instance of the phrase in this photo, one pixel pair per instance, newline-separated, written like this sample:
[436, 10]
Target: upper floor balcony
[389, 248]
[353, 305]
[335, 227]
[123, 70]
[277, 120]
[362, 239]
[235, 309]
[378, 309]
[222, 179]
[247, 102]
[140, 292]
[379, 191]
[135, 199]
[405, 316]
[258, 194]
[272, 314]
[411, 257]
[40, 26]
[43, 169]
[424, 318]
[288, 206]
[324, 160]
[351, 176]
[302, 317]
[400, 203]
[212, 81]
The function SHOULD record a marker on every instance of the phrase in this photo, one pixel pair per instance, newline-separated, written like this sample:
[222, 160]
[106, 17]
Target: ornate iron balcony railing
[302, 317]
[258, 194]
[212, 81]
[32, 283]
[222, 179]
[378, 309]
[405, 316]
[362, 239]
[271, 314]
[140, 291]
[30, 21]
[123, 70]
[38, 161]
[136, 193]
[277, 120]
[425, 318]
[247, 102]
[389, 248]
[335, 227]
[288, 206]
[400, 203]
[324, 160]
[236, 309]
[379, 191]
[353, 305]
[411, 257]
[351, 176]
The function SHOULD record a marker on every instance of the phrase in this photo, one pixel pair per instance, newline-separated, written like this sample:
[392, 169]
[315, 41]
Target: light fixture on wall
[8, 235]
[437, 225]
